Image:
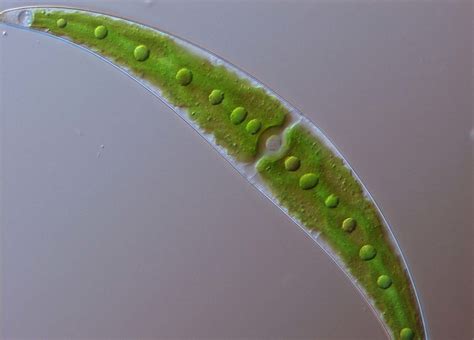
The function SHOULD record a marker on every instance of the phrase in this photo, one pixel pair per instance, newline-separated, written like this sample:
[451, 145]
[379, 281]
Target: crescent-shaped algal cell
[267, 140]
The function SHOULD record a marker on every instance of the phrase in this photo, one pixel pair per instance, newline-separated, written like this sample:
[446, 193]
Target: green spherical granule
[141, 53]
[253, 126]
[216, 97]
[100, 32]
[407, 334]
[238, 115]
[61, 23]
[367, 252]
[292, 163]
[348, 225]
[308, 181]
[384, 281]
[184, 76]
[331, 201]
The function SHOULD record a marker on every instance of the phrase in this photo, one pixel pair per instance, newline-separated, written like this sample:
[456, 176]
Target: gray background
[155, 235]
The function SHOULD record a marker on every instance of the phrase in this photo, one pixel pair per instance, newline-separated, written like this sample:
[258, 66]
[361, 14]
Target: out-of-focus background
[119, 221]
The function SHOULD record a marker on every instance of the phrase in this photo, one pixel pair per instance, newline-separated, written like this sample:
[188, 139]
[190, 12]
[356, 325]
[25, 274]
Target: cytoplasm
[323, 195]
[185, 79]
[299, 169]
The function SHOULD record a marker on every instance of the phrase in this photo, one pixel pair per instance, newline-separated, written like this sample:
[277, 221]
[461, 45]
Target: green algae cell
[253, 126]
[331, 201]
[319, 165]
[216, 97]
[292, 163]
[407, 334]
[141, 53]
[308, 181]
[348, 225]
[238, 115]
[367, 252]
[184, 76]
[61, 23]
[384, 281]
[100, 32]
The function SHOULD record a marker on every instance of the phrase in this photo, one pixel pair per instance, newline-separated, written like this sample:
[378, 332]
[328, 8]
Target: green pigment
[308, 181]
[61, 23]
[305, 176]
[348, 225]
[407, 334]
[184, 77]
[238, 115]
[292, 163]
[157, 58]
[367, 252]
[384, 281]
[141, 53]
[216, 97]
[333, 203]
[253, 126]
[100, 32]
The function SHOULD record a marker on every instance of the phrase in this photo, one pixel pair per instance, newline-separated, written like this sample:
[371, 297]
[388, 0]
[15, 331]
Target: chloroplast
[141, 53]
[253, 126]
[61, 22]
[296, 166]
[308, 181]
[216, 97]
[184, 76]
[331, 201]
[100, 32]
[349, 224]
[159, 60]
[238, 115]
[407, 334]
[367, 252]
[337, 226]
[292, 163]
[384, 281]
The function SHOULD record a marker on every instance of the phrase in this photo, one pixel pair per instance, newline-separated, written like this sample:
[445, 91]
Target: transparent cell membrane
[271, 144]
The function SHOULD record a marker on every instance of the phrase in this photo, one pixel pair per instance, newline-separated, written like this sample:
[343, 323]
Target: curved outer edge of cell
[245, 170]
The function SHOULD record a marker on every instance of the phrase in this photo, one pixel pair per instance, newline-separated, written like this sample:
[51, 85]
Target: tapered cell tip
[18, 17]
